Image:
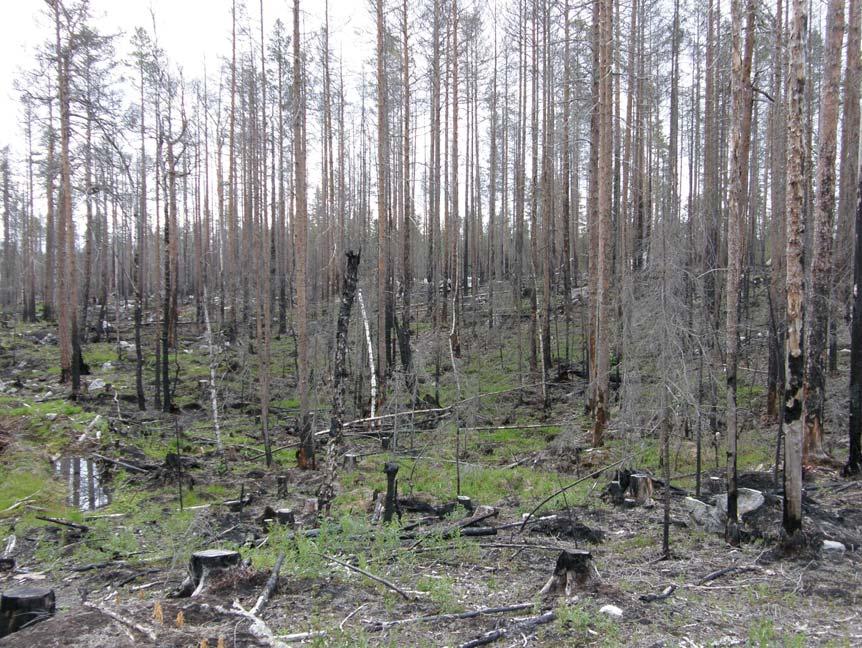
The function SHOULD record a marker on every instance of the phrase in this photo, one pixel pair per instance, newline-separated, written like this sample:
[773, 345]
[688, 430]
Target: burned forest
[431, 323]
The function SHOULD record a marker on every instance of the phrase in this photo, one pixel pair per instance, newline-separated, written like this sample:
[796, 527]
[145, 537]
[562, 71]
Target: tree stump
[614, 493]
[574, 570]
[378, 502]
[640, 490]
[350, 462]
[24, 606]
[203, 563]
[310, 506]
[715, 485]
[285, 516]
[391, 506]
[281, 486]
[466, 502]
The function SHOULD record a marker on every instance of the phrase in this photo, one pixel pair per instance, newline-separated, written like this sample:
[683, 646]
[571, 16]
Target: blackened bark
[854, 462]
[339, 377]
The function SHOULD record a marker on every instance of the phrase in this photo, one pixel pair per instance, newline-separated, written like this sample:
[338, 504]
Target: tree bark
[794, 360]
[824, 217]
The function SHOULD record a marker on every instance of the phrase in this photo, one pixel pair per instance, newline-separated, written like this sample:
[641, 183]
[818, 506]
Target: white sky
[191, 32]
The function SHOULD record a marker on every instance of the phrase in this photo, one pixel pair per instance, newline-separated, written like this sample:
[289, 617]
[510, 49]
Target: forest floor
[144, 521]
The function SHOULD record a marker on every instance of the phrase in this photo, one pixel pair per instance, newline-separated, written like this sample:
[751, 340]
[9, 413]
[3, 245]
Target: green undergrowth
[582, 623]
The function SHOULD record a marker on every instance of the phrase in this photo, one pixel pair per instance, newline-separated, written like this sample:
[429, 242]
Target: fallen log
[61, 522]
[122, 464]
[520, 626]
[736, 569]
[376, 626]
[665, 593]
[271, 584]
[482, 513]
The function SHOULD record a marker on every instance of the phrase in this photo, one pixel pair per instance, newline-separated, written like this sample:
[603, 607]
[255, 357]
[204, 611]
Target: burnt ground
[135, 550]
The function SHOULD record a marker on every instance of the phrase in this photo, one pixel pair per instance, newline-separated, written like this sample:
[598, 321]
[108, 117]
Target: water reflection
[83, 482]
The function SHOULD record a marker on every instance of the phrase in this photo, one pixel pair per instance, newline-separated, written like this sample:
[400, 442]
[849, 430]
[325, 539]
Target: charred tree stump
[640, 490]
[285, 516]
[310, 506]
[350, 462]
[574, 570]
[206, 562]
[466, 502]
[391, 506]
[378, 504]
[614, 493]
[25, 606]
[7, 561]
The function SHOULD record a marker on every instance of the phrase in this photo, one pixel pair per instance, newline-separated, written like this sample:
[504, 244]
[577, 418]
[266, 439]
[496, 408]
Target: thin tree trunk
[305, 456]
[792, 425]
[824, 217]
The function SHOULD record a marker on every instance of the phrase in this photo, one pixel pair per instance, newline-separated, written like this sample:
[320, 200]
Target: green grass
[577, 620]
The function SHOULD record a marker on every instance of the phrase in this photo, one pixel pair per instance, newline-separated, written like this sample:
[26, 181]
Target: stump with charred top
[574, 571]
[205, 563]
[25, 606]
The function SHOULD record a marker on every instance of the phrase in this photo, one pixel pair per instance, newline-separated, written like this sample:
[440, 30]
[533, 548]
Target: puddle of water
[83, 481]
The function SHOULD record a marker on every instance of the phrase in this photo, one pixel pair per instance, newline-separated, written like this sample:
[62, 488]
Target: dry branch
[271, 584]
[373, 577]
[149, 633]
[383, 625]
[520, 626]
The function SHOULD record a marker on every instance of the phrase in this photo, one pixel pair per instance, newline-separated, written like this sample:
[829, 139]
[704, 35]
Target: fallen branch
[147, 632]
[302, 636]
[520, 626]
[20, 502]
[665, 593]
[562, 490]
[460, 525]
[73, 525]
[726, 571]
[373, 577]
[122, 464]
[258, 628]
[376, 626]
[271, 584]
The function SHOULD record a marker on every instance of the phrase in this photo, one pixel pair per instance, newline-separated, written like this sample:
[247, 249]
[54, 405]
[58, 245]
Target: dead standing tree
[339, 379]
[792, 421]
[305, 455]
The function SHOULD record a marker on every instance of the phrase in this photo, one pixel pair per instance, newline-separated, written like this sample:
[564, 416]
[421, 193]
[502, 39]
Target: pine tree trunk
[794, 360]
[824, 217]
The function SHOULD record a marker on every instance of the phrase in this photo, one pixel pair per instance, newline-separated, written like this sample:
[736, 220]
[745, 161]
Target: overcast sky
[192, 32]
